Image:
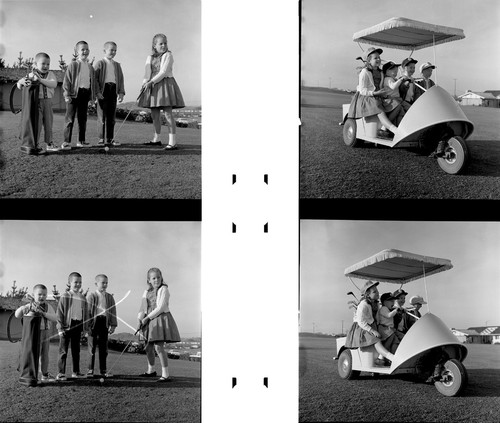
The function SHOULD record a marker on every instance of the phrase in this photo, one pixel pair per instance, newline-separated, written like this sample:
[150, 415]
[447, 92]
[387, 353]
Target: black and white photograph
[398, 100]
[100, 321]
[100, 99]
[399, 321]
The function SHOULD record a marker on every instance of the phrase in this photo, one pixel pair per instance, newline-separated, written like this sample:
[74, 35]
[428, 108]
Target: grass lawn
[126, 397]
[127, 171]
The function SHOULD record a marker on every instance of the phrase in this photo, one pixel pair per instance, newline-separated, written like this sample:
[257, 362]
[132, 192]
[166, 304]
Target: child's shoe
[61, 376]
[65, 146]
[47, 377]
[52, 147]
[379, 362]
[100, 142]
[81, 144]
[90, 373]
[115, 143]
[106, 374]
[77, 375]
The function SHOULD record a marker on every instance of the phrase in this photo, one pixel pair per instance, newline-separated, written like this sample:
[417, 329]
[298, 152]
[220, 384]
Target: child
[78, 90]
[363, 331]
[100, 321]
[367, 101]
[109, 84]
[35, 345]
[407, 88]
[71, 312]
[157, 322]
[385, 319]
[425, 82]
[44, 82]
[160, 90]
[416, 301]
[401, 317]
[393, 103]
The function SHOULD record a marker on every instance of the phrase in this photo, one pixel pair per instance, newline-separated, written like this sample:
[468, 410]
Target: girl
[367, 100]
[157, 323]
[363, 331]
[393, 103]
[160, 91]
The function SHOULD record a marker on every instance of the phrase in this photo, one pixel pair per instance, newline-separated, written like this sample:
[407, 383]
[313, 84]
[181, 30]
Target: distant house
[484, 99]
[482, 335]
[9, 76]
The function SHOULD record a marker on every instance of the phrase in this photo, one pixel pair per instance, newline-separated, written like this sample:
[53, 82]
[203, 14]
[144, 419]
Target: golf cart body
[427, 344]
[433, 117]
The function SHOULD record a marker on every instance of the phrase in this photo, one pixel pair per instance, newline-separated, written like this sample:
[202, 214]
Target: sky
[55, 26]
[47, 252]
[328, 50]
[465, 296]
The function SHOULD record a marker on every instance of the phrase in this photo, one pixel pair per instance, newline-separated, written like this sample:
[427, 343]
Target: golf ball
[91, 16]
[106, 149]
[101, 380]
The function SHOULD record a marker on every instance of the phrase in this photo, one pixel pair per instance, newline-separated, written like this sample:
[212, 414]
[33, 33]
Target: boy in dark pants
[101, 321]
[78, 91]
[71, 312]
[109, 86]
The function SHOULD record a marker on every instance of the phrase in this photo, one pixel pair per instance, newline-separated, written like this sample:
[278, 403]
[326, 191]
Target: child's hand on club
[120, 98]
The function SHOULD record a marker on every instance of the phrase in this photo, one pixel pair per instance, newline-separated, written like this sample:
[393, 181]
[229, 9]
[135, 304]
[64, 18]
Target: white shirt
[77, 306]
[364, 316]
[101, 305]
[110, 71]
[84, 76]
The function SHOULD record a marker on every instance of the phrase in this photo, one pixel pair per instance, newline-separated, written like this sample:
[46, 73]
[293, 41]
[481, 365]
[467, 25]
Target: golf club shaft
[116, 361]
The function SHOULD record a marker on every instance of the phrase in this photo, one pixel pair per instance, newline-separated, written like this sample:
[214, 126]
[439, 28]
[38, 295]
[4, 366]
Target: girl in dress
[363, 331]
[368, 98]
[160, 90]
[157, 323]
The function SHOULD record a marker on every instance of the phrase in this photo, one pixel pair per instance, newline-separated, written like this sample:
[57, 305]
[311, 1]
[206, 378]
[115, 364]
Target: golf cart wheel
[350, 134]
[456, 156]
[453, 378]
[345, 366]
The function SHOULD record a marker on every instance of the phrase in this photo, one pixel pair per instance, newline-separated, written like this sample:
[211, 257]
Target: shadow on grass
[485, 158]
[131, 149]
[128, 381]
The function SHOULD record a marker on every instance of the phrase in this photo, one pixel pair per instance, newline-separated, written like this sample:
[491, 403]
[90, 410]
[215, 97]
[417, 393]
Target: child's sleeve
[112, 312]
[363, 315]
[121, 80]
[21, 311]
[50, 81]
[49, 314]
[161, 303]
[67, 82]
[364, 84]
[61, 311]
[19, 86]
[97, 76]
[165, 68]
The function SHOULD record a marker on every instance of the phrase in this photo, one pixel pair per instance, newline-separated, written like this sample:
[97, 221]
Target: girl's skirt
[357, 337]
[163, 329]
[165, 93]
[363, 106]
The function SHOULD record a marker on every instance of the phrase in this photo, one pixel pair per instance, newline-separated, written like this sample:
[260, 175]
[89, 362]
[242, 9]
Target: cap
[408, 60]
[399, 292]
[389, 65]
[367, 286]
[386, 297]
[417, 299]
[371, 50]
[426, 65]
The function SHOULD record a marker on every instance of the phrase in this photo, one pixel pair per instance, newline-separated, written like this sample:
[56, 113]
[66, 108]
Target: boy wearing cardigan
[101, 321]
[110, 88]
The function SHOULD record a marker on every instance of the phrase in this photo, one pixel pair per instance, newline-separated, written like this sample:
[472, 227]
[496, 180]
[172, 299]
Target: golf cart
[433, 117]
[429, 350]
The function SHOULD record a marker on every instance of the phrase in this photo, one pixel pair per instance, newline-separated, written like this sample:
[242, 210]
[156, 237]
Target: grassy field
[127, 171]
[126, 397]
[330, 169]
[324, 396]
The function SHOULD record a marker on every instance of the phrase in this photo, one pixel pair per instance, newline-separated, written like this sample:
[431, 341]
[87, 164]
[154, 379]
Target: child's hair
[153, 50]
[101, 275]
[155, 270]
[39, 286]
[108, 43]
[80, 43]
[40, 55]
[75, 274]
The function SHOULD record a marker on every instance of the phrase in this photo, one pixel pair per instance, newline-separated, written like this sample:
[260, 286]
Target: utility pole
[342, 328]
[455, 87]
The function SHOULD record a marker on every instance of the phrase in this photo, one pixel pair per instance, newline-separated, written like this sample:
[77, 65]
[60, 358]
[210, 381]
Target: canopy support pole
[354, 284]
[434, 50]
[425, 286]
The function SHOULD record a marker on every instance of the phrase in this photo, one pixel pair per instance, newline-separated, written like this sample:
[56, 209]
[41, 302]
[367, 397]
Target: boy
[39, 87]
[385, 319]
[425, 82]
[78, 91]
[407, 88]
[416, 301]
[36, 337]
[71, 312]
[109, 85]
[101, 321]
[394, 106]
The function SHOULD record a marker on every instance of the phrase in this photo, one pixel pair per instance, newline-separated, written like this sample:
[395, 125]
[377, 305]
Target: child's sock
[164, 372]
[171, 139]
[390, 356]
[156, 138]
[382, 128]
[151, 368]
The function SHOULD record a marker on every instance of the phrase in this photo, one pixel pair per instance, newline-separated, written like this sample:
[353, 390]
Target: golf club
[351, 293]
[116, 361]
[126, 117]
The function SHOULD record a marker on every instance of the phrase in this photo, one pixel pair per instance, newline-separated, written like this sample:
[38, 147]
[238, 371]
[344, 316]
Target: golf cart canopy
[407, 34]
[397, 266]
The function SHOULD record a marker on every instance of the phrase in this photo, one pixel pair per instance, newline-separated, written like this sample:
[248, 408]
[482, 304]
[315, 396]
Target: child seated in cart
[425, 82]
[393, 103]
[385, 318]
[407, 88]
[363, 331]
[368, 98]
